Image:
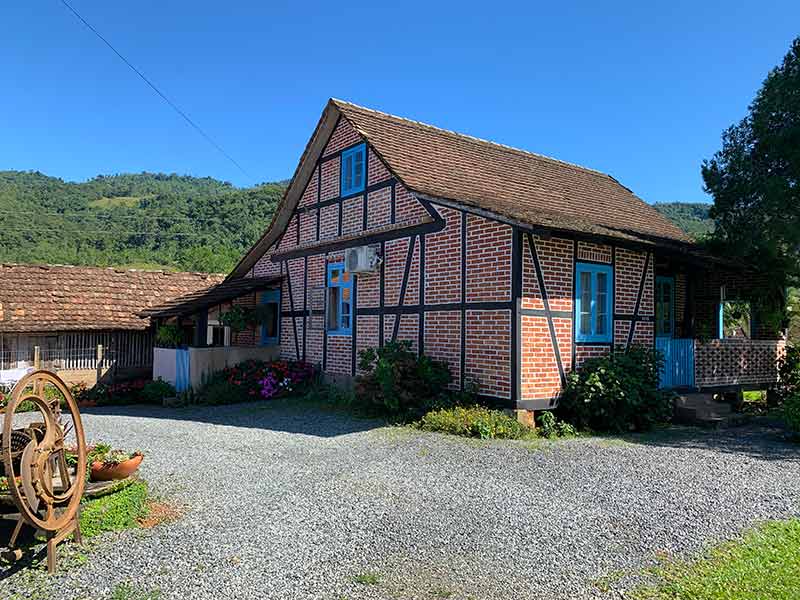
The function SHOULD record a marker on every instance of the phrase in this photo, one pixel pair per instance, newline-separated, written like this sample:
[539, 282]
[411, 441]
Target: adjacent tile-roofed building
[50, 298]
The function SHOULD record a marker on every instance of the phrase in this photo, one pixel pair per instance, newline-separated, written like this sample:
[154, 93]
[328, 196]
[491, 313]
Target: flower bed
[124, 392]
[256, 380]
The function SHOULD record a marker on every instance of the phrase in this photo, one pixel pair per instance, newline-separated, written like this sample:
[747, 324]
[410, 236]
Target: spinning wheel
[42, 485]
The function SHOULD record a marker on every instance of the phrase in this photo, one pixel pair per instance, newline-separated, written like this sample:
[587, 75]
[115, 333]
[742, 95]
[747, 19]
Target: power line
[157, 91]
[89, 216]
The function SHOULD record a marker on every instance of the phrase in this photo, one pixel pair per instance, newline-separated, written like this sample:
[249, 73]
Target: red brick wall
[249, 336]
[488, 260]
[628, 269]
[539, 373]
[487, 331]
[443, 261]
[555, 259]
[488, 351]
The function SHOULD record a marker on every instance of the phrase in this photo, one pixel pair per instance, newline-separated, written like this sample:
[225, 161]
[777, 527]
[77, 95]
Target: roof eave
[302, 175]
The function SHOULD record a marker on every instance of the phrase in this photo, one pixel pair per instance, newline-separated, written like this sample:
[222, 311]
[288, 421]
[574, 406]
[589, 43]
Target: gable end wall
[447, 292]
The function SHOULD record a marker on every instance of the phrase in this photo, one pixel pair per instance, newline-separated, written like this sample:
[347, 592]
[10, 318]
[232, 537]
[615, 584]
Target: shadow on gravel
[764, 440]
[32, 551]
[281, 415]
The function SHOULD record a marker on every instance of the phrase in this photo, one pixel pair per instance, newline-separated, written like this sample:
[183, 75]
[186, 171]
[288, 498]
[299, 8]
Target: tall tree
[755, 178]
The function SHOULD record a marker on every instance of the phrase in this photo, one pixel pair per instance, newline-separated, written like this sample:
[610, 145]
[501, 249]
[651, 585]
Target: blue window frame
[353, 169]
[593, 303]
[339, 309]
[271, 325]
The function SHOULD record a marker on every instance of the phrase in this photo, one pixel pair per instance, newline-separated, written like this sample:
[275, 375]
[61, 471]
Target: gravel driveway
[283, 502]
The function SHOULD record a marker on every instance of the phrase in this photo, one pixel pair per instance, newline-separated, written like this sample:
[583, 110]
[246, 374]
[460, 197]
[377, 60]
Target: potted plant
[107, 463]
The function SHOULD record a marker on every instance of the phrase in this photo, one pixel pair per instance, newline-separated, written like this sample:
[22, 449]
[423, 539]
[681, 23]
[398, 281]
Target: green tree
[144, 220]
[755, 179]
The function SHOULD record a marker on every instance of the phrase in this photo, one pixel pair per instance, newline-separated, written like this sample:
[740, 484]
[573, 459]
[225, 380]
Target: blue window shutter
[353, 169]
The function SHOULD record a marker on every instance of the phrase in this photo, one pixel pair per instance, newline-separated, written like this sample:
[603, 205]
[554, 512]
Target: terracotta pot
[103, 472]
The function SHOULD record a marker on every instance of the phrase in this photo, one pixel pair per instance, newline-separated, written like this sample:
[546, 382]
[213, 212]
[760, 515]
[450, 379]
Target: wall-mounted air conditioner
[362, 259]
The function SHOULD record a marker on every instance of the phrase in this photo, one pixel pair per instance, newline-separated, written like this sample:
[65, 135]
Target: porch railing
[692, 363]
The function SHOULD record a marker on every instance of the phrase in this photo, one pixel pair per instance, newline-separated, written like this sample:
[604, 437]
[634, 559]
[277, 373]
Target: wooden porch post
[201, 329]
[99, 363]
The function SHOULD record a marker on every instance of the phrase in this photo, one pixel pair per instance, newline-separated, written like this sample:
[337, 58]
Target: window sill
[593, 340]
[338, 332]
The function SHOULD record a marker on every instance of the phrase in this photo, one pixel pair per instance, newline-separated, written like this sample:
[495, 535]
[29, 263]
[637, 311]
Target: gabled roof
[212, 296]
[514, 183]
[523, 187]
[51, 298]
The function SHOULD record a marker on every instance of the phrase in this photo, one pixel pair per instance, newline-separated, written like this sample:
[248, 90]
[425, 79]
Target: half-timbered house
[510, 266]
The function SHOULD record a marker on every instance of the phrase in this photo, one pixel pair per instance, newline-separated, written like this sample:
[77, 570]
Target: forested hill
[153, 220]
[692, 217]
[148, 220]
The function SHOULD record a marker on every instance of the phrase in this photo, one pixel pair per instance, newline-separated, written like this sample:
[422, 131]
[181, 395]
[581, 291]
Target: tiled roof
[39, 298]
[520, 185]
[216, 294]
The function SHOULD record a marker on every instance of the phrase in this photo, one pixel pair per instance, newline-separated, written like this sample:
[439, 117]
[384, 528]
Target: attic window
[353, 169]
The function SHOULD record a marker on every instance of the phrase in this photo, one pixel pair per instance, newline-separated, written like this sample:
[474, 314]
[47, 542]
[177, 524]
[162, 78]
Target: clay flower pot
[108, 472]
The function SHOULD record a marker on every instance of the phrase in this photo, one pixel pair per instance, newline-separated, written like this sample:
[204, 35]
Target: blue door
[678, 368]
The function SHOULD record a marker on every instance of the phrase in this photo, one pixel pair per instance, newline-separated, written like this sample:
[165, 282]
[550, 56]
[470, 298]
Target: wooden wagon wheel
[42, 457]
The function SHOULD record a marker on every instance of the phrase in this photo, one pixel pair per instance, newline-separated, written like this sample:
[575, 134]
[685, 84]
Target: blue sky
[641, 92]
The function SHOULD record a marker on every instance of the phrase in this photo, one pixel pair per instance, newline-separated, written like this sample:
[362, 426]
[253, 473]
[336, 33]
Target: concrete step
[702, 409]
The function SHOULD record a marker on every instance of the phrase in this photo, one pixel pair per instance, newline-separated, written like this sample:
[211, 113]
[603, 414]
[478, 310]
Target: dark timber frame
[415, 234]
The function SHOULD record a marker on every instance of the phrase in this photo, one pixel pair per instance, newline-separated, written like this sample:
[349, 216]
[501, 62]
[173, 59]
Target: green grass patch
[763, 565]
[110, 202]
[127, 591]
[754, 396]
[367, 579]
[115, 511]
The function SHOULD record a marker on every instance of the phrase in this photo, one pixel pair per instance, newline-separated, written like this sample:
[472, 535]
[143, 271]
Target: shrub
[616, 393]
[169, 336]
[474, 421]
[791, 413]
[332, 396]
[550, 427]
[222, 391]
[154, 392]
[401, 383]
[123, 392]
[789, 373]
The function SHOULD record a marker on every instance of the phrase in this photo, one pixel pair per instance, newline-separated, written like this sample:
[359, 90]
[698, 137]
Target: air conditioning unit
[363, 259]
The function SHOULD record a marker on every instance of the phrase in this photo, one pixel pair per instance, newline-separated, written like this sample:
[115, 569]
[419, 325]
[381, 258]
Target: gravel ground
[284, 502]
